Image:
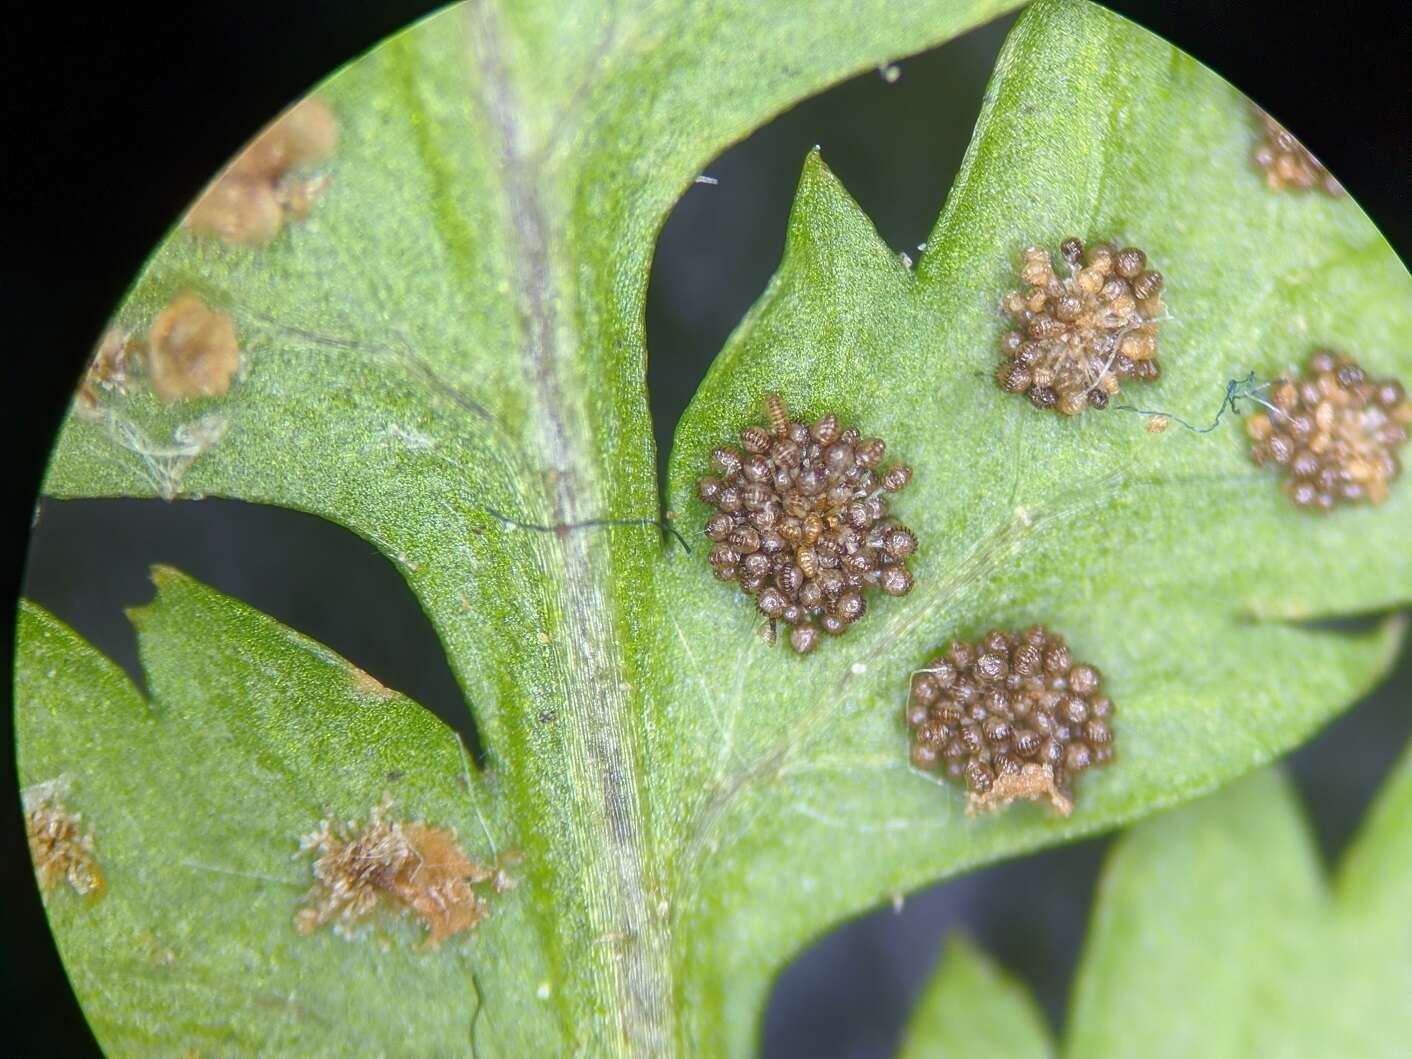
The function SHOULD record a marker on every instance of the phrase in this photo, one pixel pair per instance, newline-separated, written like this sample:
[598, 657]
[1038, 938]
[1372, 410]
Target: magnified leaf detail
[441, 347]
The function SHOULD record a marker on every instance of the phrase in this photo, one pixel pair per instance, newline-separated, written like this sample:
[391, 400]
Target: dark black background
[115, 117]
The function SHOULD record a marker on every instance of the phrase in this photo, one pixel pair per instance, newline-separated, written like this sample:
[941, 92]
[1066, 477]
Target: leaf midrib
[601, 821]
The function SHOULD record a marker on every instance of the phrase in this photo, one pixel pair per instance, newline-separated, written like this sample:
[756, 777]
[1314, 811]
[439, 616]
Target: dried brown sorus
[1012, 716]
[1287, 163]
[1334, 431]
[61, 849]
[1078, 336]
[801, 522]
[250, 201]
[191, 350]
[389, 863]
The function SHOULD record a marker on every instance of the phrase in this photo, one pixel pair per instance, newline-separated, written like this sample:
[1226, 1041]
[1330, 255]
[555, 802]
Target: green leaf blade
[447, 357]
[198, 804]
[1169, 561]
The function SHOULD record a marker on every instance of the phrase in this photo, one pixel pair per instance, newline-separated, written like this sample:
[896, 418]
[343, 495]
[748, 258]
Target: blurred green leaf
[449, 353]
[1215, 934]
[971, 1008]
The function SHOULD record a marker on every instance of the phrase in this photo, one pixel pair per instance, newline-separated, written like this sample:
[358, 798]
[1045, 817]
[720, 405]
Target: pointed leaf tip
[829, 232]
[973, 1007]
[164, 576]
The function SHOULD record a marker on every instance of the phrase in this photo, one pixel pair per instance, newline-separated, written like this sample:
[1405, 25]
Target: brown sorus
[801, 522]
[1076, 337]
[1010, 717]
[1335, 432]
[250, 201]
[191, 350]
[1287, 163]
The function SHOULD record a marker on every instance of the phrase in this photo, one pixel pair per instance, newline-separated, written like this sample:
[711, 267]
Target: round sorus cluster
[1013, 716]
[1335, 431]
[802, 523]
[1077, 337]
[1287, 163]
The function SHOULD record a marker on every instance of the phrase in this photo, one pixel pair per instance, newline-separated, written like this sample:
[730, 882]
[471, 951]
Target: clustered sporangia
[1287, 163]
[1013, 716]
[404, 866]
[1078, 336]
[802, 522]
[61, 849]
[1335, 431]
[250, 202]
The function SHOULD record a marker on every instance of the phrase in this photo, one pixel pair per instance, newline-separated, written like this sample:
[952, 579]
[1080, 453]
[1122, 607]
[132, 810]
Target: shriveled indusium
[108, 369]
[802, 523]
[1335, 432]
[389, 863]
[1077, 337]
[62, 850]
[1013, 716]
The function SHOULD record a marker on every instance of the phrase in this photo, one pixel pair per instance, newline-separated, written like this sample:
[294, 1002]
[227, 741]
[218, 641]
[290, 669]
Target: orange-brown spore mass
[259, 190]
[1335, 431]
[401, 866]
[191, 350]
[61, 849]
